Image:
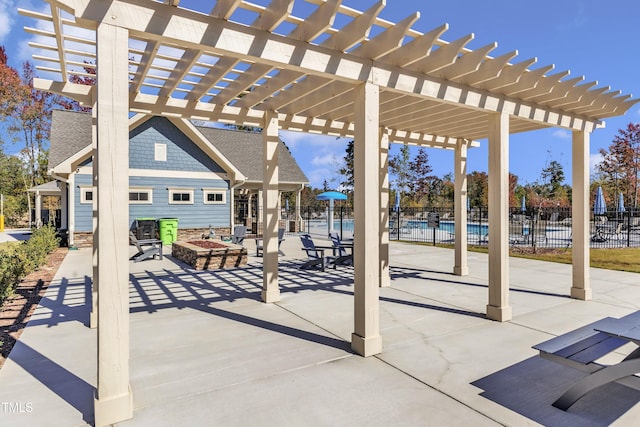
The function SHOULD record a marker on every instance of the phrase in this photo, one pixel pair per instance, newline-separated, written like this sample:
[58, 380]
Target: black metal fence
[533, 227]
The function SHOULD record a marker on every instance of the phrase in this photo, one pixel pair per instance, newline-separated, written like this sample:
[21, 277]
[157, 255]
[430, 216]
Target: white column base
[113, 410]
[366, 346]
[501, 314]
[93, 319]
[272, 295]
[385, 281]
[461, 271]
[581, 294]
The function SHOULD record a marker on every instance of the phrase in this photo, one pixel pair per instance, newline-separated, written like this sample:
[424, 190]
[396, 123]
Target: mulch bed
[18, 308]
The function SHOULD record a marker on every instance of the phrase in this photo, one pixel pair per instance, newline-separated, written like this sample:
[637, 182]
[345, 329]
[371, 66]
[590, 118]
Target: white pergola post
[71, 188]
[38, 209]
[498, 307]
[366, 340]
[270, 204]
[64, 204]
[460, 266]
[298, 206]
[385, 279]
[113, 401]
[93, 316]
[581, 286]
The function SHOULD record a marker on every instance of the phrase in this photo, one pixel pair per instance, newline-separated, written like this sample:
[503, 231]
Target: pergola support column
[581, 286]
[113, 401]
[498, 307]
[385, 279]
[270, 203]
[366, 340]
[460, 267]
[38, 209]
[93, 316]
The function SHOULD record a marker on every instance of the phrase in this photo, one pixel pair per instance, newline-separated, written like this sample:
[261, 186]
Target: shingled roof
[71, 132]
[244, 151]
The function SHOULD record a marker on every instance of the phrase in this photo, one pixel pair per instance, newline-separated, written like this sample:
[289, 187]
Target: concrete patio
[206, 351]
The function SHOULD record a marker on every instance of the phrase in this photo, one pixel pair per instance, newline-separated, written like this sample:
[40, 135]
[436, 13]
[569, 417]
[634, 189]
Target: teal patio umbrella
[331, 196]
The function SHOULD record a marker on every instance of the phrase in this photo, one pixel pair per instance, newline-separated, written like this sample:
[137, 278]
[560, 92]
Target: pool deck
[205, 350]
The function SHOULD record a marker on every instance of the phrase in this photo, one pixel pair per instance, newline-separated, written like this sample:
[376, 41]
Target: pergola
[334, 71]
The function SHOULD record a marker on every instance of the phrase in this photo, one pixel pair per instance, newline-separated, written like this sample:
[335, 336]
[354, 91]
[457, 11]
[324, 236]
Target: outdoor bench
[581, 348]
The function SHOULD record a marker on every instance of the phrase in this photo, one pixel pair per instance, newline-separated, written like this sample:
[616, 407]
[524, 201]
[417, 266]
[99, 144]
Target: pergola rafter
[397, 58]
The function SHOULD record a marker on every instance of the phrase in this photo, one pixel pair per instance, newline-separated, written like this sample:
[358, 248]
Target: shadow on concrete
[68, 386]
[200, 290]
[531, 386]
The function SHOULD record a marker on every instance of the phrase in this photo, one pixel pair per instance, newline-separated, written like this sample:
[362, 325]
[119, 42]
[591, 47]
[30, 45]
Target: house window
[180, 196]
[160, 152]
[139, 196]
[86, 194]
[214, 197]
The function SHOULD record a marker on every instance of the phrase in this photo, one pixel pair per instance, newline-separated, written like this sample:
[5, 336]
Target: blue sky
[588, 37]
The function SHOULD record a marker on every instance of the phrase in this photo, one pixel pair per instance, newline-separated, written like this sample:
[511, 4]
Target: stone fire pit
[210, 254]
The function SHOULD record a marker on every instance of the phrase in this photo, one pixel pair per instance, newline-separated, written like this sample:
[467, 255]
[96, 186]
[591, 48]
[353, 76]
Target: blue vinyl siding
[196, 215]
[182, 154]
[83, 211]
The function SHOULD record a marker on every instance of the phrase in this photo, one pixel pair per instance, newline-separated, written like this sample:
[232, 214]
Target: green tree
[399, 167]
[620, 164]
[422, 184]
[347, 168]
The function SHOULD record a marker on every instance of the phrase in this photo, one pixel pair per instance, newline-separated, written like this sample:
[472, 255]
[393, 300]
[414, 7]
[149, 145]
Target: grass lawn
[622, 259]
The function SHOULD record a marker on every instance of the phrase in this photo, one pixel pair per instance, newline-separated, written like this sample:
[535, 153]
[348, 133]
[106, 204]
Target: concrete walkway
[205, 351]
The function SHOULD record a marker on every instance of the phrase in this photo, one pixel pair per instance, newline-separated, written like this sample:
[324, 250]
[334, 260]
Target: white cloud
[594, 159]
[292, 139]
[5, 18]
[328, 159]
[561, 134]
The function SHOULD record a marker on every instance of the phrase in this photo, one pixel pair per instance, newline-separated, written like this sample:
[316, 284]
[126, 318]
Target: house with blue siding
[205, 177]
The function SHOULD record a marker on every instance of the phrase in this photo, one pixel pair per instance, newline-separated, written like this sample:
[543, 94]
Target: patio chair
[517, 235]
[314, 253]
[239, 233]
[259, 245]
[155, 248]
[340, 254]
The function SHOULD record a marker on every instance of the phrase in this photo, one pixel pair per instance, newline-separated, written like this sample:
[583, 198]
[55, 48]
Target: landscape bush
[24, 258]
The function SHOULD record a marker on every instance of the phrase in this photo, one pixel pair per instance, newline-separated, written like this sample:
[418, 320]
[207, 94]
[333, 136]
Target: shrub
[25, 258]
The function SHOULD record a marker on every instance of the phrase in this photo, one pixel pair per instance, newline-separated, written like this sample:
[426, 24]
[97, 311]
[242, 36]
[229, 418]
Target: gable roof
[71, 134]
[244, 150]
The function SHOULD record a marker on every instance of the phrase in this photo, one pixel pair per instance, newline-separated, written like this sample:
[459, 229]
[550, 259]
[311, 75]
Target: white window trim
[160, 152]
[83, 194]
[207, 191]
[172, 191]
[147, 190]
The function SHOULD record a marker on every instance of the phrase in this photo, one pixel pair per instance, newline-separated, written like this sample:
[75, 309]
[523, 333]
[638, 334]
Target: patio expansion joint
[380, 357]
